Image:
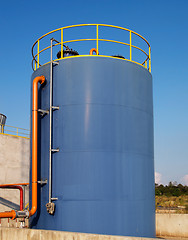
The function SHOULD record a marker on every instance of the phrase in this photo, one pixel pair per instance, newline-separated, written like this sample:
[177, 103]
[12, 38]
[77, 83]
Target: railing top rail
[144, 62]
[14, 131]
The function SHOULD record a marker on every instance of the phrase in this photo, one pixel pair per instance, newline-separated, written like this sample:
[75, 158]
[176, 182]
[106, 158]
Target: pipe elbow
[39, 79]
[33, 210]
[93, 50]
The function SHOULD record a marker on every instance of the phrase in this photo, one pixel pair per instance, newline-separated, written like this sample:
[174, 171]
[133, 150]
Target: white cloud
[158, 178]
[185, 180]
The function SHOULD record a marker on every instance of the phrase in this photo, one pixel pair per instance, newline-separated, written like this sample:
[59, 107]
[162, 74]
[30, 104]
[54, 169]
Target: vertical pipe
[21, 198]
[24, 196]
[97, 31]
[38, 55]
[149, 58]
[61, 42]
[130, 46]
[41, 80]
[50, 145]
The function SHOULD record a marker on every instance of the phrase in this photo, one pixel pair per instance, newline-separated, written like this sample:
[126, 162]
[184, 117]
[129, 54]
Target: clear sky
[162, 22]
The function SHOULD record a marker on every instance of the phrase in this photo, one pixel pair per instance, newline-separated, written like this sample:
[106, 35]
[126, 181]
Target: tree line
[172, 189]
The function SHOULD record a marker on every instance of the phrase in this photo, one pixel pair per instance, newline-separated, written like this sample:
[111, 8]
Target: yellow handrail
[14, 131]
[146, 61]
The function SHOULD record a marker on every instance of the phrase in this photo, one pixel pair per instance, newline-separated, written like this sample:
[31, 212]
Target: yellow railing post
[149, 58]
[61, 42]
[130, 46]
[35, 64]
[97, 32]
[38, 55]
[146, 64]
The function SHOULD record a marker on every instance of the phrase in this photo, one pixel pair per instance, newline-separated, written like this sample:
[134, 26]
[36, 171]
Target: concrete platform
[30, 234]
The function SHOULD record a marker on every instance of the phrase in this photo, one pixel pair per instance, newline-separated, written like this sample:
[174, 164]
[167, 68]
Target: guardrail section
[14, 131]
[42, 45]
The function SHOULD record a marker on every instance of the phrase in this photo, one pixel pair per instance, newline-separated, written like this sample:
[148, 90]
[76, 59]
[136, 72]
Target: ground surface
[172, 204]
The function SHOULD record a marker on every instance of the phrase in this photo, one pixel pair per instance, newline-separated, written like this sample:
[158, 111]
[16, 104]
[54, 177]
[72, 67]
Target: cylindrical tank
[2, 122]
[103, 174]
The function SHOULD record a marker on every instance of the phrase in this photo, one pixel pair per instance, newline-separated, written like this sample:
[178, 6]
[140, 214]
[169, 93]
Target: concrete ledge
[30, 234]
[172, 225]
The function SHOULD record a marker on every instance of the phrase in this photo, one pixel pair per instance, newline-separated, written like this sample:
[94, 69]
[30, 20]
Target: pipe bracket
[50, 207]
[43, 112]
[42, 182]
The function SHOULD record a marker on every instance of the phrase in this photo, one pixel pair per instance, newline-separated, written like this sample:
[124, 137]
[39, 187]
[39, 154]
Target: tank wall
[103, 174]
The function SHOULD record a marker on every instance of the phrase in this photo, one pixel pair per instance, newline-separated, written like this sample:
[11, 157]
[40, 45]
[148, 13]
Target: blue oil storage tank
[102, 175]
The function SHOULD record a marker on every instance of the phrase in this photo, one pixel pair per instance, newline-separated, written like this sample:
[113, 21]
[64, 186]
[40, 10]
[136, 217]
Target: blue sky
[163, 23]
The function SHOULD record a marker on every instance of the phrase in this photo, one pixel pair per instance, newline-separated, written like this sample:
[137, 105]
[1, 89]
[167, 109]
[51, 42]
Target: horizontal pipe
[11, 214]
[14, 184]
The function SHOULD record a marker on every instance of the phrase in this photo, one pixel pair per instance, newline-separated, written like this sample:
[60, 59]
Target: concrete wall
[172, 225]
[14, 166]
[29, 234]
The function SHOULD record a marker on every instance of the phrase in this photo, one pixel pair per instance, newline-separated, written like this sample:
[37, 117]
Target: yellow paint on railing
[97, 38]
[130, 43]
[61, 42]
[38, 55]
[14, 131]
[147, 59]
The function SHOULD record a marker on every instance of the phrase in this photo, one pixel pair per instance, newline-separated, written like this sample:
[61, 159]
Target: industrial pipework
[41, 80]
[93, 50]
[25, 213]
[15, 187]
[13, 214]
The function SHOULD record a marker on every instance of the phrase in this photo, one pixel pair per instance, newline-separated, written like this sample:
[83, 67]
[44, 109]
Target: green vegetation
[171, 190]
[172, 198]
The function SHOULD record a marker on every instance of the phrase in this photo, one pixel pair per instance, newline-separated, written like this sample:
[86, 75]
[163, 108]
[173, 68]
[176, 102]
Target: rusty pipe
[41, 80]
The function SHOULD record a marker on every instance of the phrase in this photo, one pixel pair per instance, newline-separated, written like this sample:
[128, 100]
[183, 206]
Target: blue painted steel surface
[103, 175]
